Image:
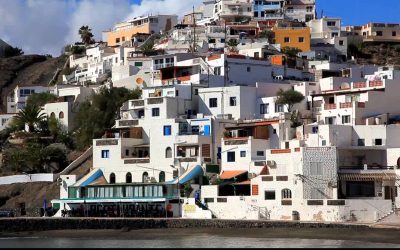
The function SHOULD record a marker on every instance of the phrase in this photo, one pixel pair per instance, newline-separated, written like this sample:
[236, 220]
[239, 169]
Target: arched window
[161, 177]
[112, 178]
[286, 193]
[128, 178]
[145, 176]
[61, 115]
[168, 152]
[52, 115]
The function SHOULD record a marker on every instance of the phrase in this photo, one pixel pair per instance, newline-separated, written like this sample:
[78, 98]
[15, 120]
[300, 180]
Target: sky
[45, 26]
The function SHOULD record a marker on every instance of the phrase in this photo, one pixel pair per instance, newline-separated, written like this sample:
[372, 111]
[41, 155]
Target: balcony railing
[137, 160]
[137, 103]
[236, 141]
[155, 100]
[110, 142]
[127, 123]
[359, 85]
[375, 83]
[330, 106]
[346, 105]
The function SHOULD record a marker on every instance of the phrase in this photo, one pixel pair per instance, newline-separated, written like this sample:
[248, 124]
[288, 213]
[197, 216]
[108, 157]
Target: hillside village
[240, 109]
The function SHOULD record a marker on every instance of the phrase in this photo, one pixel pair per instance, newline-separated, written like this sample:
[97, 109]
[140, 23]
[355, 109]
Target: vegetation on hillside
[289, 98]
[12, 51]
[86, 35]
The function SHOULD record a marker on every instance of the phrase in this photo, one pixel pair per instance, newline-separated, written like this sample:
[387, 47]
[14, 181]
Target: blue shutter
[207, 130]
[167, 130]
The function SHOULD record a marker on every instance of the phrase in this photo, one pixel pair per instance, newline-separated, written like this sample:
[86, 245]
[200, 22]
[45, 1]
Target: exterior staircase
[395, 212]
[204, 207]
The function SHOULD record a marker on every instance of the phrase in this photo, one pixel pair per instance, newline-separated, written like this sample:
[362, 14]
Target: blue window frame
[167, 130]
[105, 153]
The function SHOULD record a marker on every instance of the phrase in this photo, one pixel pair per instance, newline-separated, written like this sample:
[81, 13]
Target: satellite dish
[139, 80]
[345, 85]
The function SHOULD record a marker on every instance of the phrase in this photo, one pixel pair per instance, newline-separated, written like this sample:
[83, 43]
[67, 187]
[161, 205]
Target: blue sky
[45, 26]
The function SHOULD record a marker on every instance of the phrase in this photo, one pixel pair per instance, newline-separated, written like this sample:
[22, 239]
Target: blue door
[207, 130]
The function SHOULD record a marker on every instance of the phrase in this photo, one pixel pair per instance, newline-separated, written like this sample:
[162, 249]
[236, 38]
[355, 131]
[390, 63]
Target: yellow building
[145, 24]
[293, 37]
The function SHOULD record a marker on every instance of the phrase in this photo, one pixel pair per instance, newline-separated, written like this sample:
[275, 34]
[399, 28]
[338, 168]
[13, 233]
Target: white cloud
[45, 26]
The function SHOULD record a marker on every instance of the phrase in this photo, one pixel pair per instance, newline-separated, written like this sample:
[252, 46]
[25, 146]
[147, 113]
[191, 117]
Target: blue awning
[89, 178]
[190, 174]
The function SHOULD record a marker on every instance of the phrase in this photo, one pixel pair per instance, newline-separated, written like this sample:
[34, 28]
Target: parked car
[6, 213]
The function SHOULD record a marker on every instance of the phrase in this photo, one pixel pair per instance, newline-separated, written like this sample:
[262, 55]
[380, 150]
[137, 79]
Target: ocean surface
[188, 241]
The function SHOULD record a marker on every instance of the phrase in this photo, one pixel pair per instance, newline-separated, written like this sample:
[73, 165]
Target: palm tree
[30, 115]
[147, 48]
[86, 35]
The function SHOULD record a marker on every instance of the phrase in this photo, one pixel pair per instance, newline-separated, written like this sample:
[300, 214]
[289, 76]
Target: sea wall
[42, 224]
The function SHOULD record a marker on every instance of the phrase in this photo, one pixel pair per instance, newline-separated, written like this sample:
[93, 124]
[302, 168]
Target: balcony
[137, 104]
[106, 142]
[137, 161]
[359, 85]
[236, 141]
[158, 100]
[375, 84]
[330, 106]
[346, 105]
[127, 123]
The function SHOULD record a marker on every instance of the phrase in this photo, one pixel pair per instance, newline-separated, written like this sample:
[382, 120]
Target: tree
[40, 99]
[96, 116]
[11, 51]
[291, 52]
[86, 35]
[31, 115]
[268, 34]
[147, 48]
[289, 98]
[232, 44]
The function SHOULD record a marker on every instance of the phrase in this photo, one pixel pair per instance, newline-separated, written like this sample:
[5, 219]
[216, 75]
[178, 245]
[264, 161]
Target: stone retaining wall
[42, 224]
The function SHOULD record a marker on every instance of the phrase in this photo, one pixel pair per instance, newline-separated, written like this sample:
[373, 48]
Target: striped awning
[367, 177]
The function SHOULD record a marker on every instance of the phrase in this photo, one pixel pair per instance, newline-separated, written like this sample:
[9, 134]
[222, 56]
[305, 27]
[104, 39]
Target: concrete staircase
[204, 207]
[389, 217]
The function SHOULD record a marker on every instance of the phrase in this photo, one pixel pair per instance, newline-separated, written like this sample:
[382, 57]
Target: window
[255, 13]
[264, 108]
[286, 40]
[331, 23]
[274, 131]
[378, 142]
[196, 91]
[145, 176]
[260, 153]
[309, 9]
[269, 195]
[335, 34]
[161, 176]
[176, 92]
[248, 69]
[394, 33]
[128, 178]
[138, 64]
[330, 120]
[278, 108]
[256, 54]
[155, 112]
[123, 39]
[217, 71]
[361, 142]
[345, 119]
[232, 101]
[316, 168]
[167, 130]
[242, 153]
[301, 39]
[323, 143]
[117, 40]
[61, 115]
[213, 102]
[52, 115]
[126, 152]
[105, 154]
[289, 10]
[112, 178]
[379, 33]
[341, 42]
[168, 152]
[286, 193]
[231, 157]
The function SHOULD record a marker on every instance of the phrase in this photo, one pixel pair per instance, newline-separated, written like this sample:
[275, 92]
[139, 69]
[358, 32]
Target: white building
[16, 100]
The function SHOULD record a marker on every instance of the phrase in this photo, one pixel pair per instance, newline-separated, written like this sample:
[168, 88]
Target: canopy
[230, 174]
[190, 174]
[89, 178]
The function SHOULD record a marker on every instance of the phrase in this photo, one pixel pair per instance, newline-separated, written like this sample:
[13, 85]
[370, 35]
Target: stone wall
[42, 224]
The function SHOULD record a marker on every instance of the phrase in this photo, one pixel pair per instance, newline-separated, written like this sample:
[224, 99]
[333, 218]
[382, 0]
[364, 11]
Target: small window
[213, 102]
[256, 54]
[260, 153]
[335, 34]
[112, 178]
[274, 131]
[61, 115]
[145, 176]
[345, 119]
[105, 154]
[232, 101]
[278, 108]
[286, 193]
[264, 108]
[128, 178]
[52, 115]
[323, 142]
[394, 33]
[161, 177]
[255, 13]
[269, 195]
[126, 152]
[176, 92]
[117, 40]
[196, 91]
[379, 33]
[341, 42]
[242, 154]
[168, 152]
[378, 142]
[231, 157]
[301, 39]
[138, 64]
[286, 40]
[155, 112]
[361, 142]
[248, 69]
[167, 130]
[331, 23]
